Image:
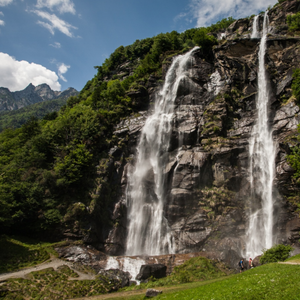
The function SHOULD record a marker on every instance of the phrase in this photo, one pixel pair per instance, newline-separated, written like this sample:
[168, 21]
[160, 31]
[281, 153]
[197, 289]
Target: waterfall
[148, 230]
[262, 164]
[255, 30]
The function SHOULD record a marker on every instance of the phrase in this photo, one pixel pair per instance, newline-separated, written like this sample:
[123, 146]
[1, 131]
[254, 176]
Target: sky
[59, 42]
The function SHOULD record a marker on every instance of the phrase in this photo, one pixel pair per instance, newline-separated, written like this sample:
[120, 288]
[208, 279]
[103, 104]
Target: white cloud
[56, 45]
[5, 2]
[62, 69]
[54, 23]
[63, 6]
[2, 23]
[207, 12]
[16, 75]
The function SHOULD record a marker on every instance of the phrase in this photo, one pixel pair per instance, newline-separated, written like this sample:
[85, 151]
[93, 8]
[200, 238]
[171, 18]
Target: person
[250, 263]
[241, 264]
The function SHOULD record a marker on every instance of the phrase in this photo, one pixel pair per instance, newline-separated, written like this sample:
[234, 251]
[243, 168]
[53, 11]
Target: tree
[201, 38]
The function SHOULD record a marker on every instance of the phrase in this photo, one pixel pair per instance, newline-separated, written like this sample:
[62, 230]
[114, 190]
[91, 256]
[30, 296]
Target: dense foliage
[276, 253]
[294, 22]
[48, 167]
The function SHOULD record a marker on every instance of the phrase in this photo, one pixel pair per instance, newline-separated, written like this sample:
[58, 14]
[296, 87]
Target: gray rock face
[208, 188]
[30, 95]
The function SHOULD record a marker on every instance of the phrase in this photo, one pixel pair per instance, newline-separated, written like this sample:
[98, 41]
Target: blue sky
[60, 41]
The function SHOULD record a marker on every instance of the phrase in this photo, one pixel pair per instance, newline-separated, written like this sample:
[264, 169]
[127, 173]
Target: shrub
[293, 21]
[296, 84]
[276, 253]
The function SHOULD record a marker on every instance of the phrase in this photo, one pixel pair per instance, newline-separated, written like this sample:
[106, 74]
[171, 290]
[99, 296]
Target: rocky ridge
[30, 95]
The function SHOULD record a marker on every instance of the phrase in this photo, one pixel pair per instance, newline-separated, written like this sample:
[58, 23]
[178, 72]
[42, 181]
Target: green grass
[295, 258]
[195, 269]
[15, 255]
[51, 284]
[271, 281]
[19, 252]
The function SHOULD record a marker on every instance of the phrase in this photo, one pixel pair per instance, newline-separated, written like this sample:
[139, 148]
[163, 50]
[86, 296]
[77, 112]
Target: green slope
[16, 118]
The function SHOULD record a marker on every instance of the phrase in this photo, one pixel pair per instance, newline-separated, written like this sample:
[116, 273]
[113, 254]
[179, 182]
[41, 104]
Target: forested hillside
[16, 118]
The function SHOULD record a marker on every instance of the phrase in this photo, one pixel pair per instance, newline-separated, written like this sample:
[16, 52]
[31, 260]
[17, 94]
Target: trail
[52, 263]
[292, 262]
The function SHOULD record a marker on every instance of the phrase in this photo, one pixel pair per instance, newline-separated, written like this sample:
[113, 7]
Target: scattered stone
[152, 293]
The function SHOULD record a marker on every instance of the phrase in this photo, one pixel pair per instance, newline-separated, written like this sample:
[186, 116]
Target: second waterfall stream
[148, 230]
[262, 163]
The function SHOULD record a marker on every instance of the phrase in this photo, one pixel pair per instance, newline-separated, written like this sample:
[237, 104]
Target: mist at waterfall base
[148, 229]
[262, 161]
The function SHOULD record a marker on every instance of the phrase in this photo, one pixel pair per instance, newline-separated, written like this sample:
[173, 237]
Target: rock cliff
[208, 159]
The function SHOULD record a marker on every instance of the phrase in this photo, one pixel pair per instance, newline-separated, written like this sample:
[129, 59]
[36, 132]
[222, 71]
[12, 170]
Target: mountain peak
[30, 95]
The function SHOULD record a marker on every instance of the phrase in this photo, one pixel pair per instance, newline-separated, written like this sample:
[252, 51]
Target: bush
[296, 84]
[293, 21]
[276, 253]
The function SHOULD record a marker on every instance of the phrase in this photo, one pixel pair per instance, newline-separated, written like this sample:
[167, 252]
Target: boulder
[156, 271]
[256, 262]
[152, 293]
[117, 277]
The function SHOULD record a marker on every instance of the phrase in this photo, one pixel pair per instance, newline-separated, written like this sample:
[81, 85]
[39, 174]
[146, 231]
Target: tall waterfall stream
[262, 158]
[148, 230]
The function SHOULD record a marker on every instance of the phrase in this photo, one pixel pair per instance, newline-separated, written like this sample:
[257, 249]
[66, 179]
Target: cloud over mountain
[16, 75]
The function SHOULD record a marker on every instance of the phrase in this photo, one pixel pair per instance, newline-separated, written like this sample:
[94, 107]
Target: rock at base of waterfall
[256, 262]
[117, 277]
[157, 271]
[152, 293]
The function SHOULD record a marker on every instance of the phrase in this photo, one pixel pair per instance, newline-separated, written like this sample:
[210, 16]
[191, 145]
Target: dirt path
[292, 262]
[116, 295]
[52, 263]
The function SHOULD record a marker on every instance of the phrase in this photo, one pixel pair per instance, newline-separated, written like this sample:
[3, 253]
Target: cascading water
[255, 30]
[148, 230]
[262, 161]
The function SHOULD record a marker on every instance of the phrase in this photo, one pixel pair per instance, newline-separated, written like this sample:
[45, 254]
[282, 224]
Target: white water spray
[262, 161]
[126, 264]
[148, 230]
[255, 30]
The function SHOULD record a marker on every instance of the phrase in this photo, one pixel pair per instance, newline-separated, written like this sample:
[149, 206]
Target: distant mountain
[30, 95]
